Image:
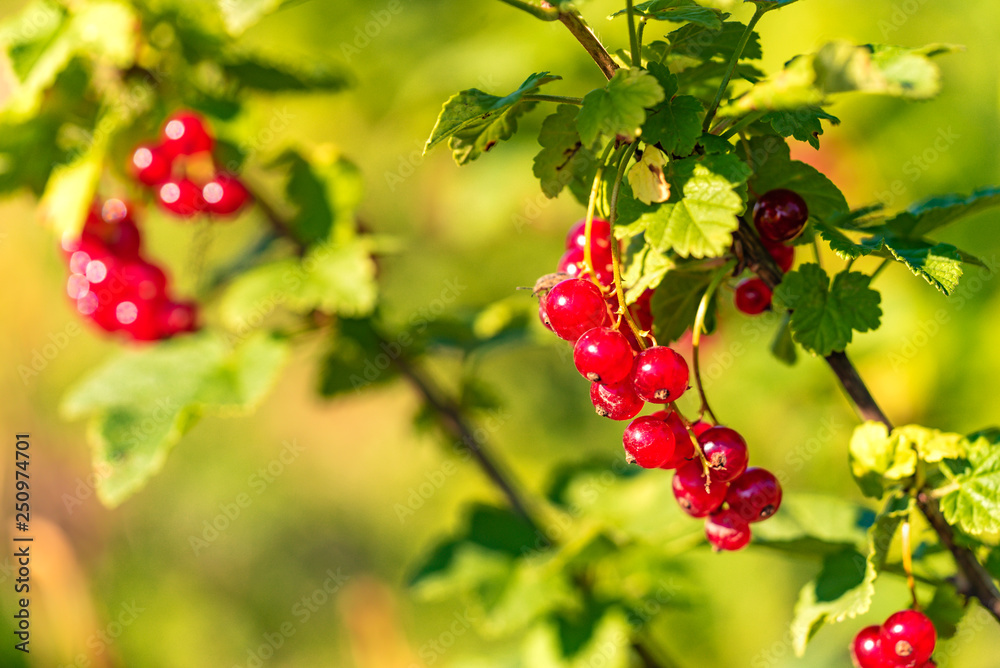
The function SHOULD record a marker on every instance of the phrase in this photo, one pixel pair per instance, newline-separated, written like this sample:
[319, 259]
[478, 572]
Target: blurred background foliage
[330, 512]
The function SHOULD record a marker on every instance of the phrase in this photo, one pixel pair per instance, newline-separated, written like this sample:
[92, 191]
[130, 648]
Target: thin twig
[731, 68]
[588, 39]
[543, 13]
[974, 579]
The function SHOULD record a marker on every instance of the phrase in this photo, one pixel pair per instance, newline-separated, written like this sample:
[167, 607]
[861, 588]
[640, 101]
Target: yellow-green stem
[591, 205]
[616, 260]
[699, 325]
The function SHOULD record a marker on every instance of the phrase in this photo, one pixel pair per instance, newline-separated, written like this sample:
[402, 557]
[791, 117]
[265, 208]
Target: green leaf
[142, 402]
[802, 124]
[826, 315]
[325, 189]
[711, 196]
[473, 121]
[674, 123]
[647, 178]
[357, 359]
[774, 168]
[974, 504]
[563, 159]
[840, 67]
[878, 456]
[238, 15]
[257, 72]
[590, 639]
[70, 192]
[783, 347]
[939, 264]
[815, 524]
[676, 11]
[843, 589]
[920, 219]
[675, 303]
[699, 43]
[644, 270]
[104, 32]
[618, 109]
[946, 610]
[333, 278]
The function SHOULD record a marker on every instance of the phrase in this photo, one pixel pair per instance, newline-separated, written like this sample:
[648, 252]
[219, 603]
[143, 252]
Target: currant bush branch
[731, 67]
[974, 579]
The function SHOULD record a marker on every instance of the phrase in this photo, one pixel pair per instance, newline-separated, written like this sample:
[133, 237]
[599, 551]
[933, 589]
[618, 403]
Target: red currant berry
[753, 296]
[571, 262]
[783, 254]
[174, 318]
[726, 453]
[697, 495]
[755, 495]
[181, 198]
[144, 280]
[649, 442]
[727, 531]
[642, 311]
[908, 638]
[603, 355]
[543, 316]
[138, 317]
[225, 195]
[780, 215]
[185, 133]
[110, 229]
[699, 427]
[660, 375]
[600, 234]
[574, 306]
[150, 165]
[617, 402]
[866, 650]
[683, 445]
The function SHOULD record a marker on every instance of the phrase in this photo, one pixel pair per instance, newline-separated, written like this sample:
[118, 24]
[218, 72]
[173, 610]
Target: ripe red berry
[150, 165]
[185, 133]
[659, 375]
[727, 531]
[908, 638]
[174, 318]
[697, 495]
[109, 230]
[780, 215]
[600, 234]
[145, 280]
[649, 441]
[574, 306]
[866, 650]
[617, 402]
[642, 311]
[699, 427]
[572, 263]
[603, 355]
[138, 317]
[753, 296]
[783, 254]
[726, 453]
[224, 195]
[181, 197]
[683, 445]
[755, 495]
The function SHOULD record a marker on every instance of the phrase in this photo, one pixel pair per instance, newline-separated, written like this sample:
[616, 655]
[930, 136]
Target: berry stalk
[616, 260]
[699, 325]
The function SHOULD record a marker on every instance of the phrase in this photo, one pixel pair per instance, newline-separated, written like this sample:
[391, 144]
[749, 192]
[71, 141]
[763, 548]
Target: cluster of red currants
[905, 640]
[115, 286]
[165, 167]
[712, 479]
[779, 216]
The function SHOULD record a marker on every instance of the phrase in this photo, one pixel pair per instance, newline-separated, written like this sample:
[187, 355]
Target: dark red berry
[571, 262]
[150, 165]
[755, 495]
[726, 453]
[138, 317]
[145, 280]
[574, 306]
[185, 133]
[617, 402]
[727, 531]
[697, 495]
[753, 296]
[866, 650]
[683, 445]
[600, 234]
[699, 427]
[783, 254]
[649, 441]
[780, 215]
[174, 318]
[908, 638]
[659, 375]
[109, 228]
[603, 355]
[224, 195]
[642, 311]
[181, 197]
